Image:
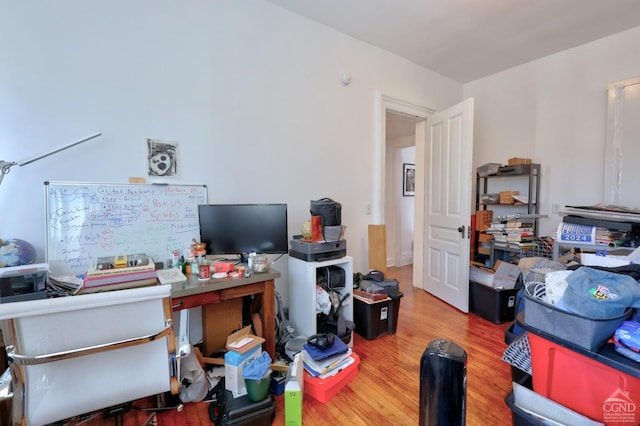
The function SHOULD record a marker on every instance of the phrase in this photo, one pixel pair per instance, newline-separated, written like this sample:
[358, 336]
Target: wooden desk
[193, 293]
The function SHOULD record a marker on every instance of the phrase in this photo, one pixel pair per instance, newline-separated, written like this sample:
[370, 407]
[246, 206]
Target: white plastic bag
[193, 380]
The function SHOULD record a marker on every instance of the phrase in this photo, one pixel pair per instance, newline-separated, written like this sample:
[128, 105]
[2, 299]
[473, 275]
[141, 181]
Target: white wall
[553, 110]
[249, 90]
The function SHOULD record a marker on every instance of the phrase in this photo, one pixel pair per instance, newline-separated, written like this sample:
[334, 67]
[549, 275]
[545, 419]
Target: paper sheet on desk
[172, 275]
[634, 256]
[609, 261]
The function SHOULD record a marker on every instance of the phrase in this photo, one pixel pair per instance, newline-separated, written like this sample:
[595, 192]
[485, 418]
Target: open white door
[443, 204]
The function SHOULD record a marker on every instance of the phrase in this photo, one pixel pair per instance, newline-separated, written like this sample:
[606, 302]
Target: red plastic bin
[586, 382]
[324, 389]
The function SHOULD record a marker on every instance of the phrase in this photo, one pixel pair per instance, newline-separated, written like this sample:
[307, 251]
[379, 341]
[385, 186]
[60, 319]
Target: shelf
[302, 292]
[524, 180]
[557, 244]
[504, 205]
[600, 219]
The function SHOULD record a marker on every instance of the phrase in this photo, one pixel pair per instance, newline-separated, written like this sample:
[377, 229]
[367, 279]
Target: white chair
[74, 355]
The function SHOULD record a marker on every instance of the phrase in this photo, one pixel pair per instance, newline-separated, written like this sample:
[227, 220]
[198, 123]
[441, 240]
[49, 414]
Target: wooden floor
[387, 388]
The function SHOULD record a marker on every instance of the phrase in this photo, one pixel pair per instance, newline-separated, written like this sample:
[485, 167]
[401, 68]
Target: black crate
[376, 318]
[520, 417]
[494, 304]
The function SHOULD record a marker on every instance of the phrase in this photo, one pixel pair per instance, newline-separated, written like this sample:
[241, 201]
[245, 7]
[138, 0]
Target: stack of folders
[119, 278]
[328, 362]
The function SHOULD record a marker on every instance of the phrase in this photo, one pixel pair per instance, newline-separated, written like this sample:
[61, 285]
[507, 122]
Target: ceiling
[469, 39]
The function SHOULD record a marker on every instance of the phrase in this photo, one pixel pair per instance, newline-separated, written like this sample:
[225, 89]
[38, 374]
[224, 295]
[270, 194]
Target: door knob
[461, 229]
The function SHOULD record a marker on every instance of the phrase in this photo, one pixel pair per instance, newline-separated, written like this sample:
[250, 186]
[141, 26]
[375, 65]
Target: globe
[16, 252]
[305, 229]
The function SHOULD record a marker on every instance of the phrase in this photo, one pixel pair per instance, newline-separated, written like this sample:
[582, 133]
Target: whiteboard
[89, 220]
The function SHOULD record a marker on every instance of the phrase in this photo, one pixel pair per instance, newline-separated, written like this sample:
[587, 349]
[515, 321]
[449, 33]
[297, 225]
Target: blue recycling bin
[443, 384]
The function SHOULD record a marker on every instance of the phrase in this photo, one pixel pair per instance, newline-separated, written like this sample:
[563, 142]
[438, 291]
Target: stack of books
[328, 362]
[517, 231]
[119, 278]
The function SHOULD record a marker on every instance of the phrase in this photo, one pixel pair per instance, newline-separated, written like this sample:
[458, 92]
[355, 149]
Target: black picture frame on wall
[408, 180]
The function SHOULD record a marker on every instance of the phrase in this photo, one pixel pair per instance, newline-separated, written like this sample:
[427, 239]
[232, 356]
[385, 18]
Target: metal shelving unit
[525, 179]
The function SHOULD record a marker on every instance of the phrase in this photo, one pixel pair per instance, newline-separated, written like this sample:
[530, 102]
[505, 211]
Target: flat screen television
[243, 228]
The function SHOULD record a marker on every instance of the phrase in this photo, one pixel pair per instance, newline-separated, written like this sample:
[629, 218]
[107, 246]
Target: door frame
[384, 103]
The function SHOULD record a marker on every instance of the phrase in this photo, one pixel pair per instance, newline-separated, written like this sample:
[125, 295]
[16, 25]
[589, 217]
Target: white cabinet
[302, 292]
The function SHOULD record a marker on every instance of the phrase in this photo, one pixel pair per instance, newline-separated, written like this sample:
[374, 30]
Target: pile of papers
[328, 362]
[64, 285]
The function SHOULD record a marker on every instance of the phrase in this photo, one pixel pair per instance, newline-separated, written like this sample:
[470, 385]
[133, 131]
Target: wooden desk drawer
[194, 300]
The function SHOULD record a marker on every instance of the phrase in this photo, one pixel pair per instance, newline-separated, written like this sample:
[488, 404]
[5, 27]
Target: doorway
[400, 150]
[398, 120]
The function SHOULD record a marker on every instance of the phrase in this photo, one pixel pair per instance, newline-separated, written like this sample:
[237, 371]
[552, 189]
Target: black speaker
[443, 384]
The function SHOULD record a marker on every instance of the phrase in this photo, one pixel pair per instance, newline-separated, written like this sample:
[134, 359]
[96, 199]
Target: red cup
[204, 271]
[316, 229]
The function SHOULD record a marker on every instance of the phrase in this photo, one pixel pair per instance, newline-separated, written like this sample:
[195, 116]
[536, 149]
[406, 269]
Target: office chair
[74, 355]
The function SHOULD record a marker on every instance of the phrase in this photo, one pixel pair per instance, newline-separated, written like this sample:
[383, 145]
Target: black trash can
[443, 384]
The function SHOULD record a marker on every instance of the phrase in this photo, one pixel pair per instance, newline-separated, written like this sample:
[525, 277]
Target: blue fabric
[258, 368]
[598, 294]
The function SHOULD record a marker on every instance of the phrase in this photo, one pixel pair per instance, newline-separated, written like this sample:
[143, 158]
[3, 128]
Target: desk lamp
[5, 166]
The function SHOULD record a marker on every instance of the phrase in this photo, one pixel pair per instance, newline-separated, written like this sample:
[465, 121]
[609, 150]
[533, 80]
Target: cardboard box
[234, 363]
[243, 341]
[518, 161]
[219, 320]
[293, 393]
[484, 238]
[506, 275]
[485, 249]
[506, 197]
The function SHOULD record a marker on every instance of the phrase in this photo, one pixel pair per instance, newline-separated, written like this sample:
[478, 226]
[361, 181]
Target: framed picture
[408, 180]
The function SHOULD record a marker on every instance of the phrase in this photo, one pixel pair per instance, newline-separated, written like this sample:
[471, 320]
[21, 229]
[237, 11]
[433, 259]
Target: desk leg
[269, 317]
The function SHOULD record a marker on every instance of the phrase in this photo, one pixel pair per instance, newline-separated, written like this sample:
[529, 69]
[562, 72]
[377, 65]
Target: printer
[317, 251]
[26, 282]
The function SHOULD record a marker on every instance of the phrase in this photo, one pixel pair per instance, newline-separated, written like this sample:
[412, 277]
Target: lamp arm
[5, 167]
[62, 148]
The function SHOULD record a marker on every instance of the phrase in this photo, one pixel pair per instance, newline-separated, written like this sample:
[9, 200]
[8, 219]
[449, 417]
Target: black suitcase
[225, 410]
[389, 286]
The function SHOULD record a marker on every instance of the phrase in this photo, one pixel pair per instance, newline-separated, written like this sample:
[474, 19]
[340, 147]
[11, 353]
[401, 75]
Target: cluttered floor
[386, 389]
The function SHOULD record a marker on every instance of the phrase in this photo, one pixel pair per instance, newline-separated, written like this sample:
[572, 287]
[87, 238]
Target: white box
[234, 363]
